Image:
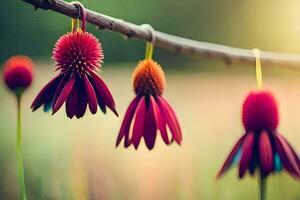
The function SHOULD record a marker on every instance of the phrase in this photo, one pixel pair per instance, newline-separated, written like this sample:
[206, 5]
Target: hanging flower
[78, 55]
[151, 112]
[262, 147]
[18, 73]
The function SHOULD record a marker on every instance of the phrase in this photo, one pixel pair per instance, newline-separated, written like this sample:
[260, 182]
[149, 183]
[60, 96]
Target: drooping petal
[82, 99]
[265, 153]
[100, 100]
[151, 123]
[139, 122]
[247, 149]
[64, 95]
[125, 127]
[231, 158]
[171, 119]
[72, 101]
[286, 155]
[103, 90]
[91, 96]
[46, 95]
[160, 121]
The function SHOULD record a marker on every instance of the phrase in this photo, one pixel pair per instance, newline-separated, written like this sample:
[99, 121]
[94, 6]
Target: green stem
[149, 50]
[19, 152]
[262, 187]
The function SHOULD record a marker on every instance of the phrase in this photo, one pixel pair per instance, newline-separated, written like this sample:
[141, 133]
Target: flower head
[151, 112]
[78, 55]
[18, 73]
[262, 147]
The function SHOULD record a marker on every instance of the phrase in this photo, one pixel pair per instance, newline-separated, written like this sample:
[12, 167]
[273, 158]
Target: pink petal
[91, 96]
[47, 93]
[139, 122]
[151, 123]
[265, 153]
[64, 95]
[229, 161]
[160, 122]
[125, 127]
[171, 119]
[247, 149]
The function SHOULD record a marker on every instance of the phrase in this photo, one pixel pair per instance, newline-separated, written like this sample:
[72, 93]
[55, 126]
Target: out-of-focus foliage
[271, 25]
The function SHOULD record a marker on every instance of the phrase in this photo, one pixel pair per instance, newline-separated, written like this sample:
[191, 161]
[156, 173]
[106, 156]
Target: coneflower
[78, 56]
[262, 148]
[149, 111]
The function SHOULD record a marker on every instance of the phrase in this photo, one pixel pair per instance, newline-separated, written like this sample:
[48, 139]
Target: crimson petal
[229, 161]
[103, 90]
[47, 93]
[160, 122]
[64, 95]
[265, 153]
[247, 149]
[139, 122]
[286, 155]
[125, 127]
[151, 124]
[91, 96]
[170, 118]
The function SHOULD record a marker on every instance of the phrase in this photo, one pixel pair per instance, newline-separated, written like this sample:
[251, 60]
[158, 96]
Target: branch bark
[170, 42]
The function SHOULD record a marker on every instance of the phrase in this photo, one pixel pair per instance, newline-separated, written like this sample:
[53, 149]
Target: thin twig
[170, 42]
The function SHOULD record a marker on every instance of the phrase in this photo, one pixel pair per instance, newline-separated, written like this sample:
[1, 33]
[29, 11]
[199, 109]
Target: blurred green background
[77, 159]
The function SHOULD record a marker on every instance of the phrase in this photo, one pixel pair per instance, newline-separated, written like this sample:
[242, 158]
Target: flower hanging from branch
[262, 147]
[149, 110]
[78, 56]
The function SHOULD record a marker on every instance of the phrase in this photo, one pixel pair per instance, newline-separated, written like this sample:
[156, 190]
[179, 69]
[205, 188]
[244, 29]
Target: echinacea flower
[18, 73]
[151, 112]
[78, 55]
[262, 147]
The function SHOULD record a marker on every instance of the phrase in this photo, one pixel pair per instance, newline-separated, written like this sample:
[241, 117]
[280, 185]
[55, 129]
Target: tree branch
[170, 42]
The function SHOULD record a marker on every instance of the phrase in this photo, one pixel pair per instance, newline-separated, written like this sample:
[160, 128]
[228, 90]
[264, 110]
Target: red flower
[151, 112]
[78, 55]
[262, 146]
[18, 72]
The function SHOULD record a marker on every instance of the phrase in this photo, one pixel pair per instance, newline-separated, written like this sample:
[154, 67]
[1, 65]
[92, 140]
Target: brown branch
[170, 42]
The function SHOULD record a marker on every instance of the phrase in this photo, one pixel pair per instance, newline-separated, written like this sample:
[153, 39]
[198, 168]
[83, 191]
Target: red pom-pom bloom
[78, 55]
[262, 147]
[151, 112]
[18, 73]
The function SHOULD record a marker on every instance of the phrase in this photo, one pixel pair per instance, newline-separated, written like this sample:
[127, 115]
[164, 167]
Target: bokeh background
[77, 159]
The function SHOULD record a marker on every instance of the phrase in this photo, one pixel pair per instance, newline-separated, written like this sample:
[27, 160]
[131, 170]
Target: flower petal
[72, 101]
[103, 90]
[82, 99]
[171, 119]
[160, 122]
[231, 158]
[64, 95]
[139, 122]
[125, 127]
[265, 153]
[151, 123]
[247, 150]
[286, 155]
[46, 95]
[91, 96]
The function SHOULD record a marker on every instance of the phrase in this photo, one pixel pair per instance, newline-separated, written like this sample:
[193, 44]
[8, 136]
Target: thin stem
[149, 50]
[19, 152]
[262, 187]
[258, 70]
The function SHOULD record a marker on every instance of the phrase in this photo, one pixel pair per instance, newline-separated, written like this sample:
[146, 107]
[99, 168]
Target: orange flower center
[148, 78]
